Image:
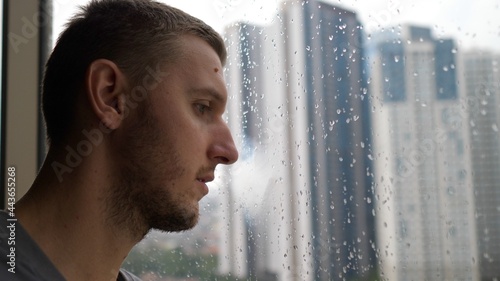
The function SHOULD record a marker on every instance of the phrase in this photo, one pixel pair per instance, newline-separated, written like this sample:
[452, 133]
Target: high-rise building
[269, 233]
[425, 206]
[338, 114]
[303, 115]
[482, 80]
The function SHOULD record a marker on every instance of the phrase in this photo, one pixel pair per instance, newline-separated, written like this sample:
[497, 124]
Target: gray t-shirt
[22, 260]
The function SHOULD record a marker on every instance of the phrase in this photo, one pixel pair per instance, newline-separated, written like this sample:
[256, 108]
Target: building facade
[303, 115]
[481, 74]
[424, 181]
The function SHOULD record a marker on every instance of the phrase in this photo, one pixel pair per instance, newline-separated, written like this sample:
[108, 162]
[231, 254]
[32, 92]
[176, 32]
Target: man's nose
[223, 149]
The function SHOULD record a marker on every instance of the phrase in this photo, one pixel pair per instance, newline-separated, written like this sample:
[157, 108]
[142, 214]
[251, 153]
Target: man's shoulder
[20, 257]
[22, 260]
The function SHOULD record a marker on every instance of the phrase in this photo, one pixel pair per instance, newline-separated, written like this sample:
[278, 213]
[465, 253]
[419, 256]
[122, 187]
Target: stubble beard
[142, 197]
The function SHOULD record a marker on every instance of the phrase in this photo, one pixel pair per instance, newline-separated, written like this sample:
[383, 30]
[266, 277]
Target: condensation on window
[369, 146]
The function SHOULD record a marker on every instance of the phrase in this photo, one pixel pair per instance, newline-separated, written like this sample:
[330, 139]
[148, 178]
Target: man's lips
[205, 175]
[205, 179]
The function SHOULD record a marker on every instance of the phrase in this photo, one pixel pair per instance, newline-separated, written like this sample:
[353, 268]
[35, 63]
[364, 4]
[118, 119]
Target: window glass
[369, 145]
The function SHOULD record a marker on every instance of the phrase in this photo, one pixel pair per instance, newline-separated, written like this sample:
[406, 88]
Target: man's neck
[67, 220]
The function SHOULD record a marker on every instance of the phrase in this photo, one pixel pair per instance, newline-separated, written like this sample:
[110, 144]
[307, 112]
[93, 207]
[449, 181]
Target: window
[369, 143]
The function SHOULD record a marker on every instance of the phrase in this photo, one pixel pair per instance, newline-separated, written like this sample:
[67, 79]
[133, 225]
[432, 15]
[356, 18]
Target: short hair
[134, 34]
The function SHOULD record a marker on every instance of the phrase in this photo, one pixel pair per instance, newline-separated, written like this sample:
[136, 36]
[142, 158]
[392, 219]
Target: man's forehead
[195, 46]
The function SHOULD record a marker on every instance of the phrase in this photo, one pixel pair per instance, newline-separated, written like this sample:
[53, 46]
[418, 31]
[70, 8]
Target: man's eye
[202, 108]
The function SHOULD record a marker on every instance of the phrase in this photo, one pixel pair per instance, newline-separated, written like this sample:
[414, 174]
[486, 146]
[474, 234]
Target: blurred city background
[369, 145]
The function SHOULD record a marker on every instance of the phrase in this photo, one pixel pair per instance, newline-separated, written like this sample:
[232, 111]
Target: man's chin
[176, 223]
[174, 229]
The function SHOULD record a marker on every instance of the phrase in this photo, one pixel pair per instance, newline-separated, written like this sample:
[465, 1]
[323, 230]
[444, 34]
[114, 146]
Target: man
[133, 97]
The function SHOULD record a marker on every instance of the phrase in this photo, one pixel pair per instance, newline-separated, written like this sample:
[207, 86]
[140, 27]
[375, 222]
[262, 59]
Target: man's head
[152, 75]
[134, 34]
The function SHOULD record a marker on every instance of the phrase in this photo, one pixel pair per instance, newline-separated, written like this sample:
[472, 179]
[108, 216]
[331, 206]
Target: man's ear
[106, 87]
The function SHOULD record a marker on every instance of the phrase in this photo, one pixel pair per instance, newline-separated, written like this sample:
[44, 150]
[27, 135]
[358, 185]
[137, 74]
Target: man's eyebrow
[208, 91]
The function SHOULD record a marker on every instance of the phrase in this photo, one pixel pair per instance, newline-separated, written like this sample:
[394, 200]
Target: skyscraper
[425, 210]
[303, 116]
[482, 80]
[338, 114]
[273, 202]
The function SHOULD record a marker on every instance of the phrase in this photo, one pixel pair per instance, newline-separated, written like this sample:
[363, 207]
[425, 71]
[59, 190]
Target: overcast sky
[471, 23]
